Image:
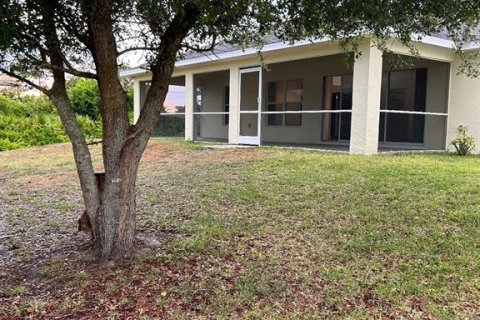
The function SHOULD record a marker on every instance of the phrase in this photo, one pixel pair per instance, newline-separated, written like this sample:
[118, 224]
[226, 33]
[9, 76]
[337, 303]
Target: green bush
[33, 121]
[170, 126]
[85, 97]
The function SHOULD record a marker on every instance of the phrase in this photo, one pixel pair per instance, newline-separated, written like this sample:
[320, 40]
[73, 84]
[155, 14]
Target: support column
[189, 106]
[464, 105]
[136, 100]
[367, 84]
[234, 105]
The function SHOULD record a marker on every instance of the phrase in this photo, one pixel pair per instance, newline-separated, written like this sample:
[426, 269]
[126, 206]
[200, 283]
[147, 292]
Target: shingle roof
[225, 47]
[6, 81]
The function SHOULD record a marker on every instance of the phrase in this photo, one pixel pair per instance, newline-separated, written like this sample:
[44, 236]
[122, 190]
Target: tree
[88, 38]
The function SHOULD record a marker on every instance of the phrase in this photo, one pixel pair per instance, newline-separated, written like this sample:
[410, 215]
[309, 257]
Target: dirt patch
[40, 202]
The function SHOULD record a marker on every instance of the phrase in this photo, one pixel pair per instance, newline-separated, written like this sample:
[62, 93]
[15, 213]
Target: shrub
[33, 121]
[463, 143]
[92, 129]
[169, 126]
[85, 97]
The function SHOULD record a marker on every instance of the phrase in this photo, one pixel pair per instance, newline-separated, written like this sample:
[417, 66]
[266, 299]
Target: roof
[272, 43]
[6, 81]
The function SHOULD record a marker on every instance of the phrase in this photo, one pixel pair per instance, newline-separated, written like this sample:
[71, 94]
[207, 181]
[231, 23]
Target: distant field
[256, 233]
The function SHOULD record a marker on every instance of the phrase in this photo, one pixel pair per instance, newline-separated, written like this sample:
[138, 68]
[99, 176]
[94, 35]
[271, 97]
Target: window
[285, 96]
[226, 104]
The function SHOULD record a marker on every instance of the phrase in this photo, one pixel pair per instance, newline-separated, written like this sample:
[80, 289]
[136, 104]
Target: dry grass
[255, 234]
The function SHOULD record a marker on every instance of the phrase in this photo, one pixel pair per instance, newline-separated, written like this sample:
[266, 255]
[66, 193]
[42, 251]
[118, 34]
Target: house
[309, 96]
[7, 83]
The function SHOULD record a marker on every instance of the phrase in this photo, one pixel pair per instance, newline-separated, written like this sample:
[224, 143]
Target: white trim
[435, 41]
[210, 113]
[249, 111]
[133, 72]
[414, 112]
[251, 140]
[172, 114]
[307, 111]
[472, 46]
[249, 70]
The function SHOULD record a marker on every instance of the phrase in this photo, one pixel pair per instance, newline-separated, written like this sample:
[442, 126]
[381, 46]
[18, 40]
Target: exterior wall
[464, 106]
[286, 64]
[312, 73]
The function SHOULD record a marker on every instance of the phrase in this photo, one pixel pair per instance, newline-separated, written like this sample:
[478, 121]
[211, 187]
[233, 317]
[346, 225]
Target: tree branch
[25, 80]
[162, 69]
[137, 48]
[71, 70]
[212, 46]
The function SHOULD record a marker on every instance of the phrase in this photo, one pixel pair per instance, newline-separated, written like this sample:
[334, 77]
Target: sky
[175, 97]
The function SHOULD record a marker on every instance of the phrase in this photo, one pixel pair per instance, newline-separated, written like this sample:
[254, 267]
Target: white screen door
[250, 106]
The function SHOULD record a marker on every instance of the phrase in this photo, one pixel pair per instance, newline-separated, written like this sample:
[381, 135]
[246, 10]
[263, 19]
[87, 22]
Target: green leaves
[33, 121]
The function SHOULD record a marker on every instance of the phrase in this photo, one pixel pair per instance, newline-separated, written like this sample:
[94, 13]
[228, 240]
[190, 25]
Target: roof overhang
[244, 53]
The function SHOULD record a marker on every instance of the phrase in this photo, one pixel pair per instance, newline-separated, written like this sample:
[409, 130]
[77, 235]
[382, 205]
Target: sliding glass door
[402, 118]
[337, 106]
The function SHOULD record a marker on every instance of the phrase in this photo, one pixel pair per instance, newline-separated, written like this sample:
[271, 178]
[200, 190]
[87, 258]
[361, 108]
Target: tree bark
[58, 95]
[115, 221]
[124, 144]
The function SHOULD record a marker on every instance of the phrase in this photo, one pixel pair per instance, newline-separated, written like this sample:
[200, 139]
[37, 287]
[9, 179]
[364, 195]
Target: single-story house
[7, 82]
[309, 96]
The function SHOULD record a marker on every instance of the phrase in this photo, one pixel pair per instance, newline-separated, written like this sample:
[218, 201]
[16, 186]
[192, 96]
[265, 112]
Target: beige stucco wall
[464, 106]
[367, 85]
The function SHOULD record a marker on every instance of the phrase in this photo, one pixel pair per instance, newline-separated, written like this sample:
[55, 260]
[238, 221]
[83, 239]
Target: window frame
[283, 105]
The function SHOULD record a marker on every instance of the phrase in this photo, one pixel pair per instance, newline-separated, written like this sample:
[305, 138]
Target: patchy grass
[255, 234]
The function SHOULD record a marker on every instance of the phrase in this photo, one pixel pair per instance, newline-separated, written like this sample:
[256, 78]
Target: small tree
[89, 38]
[463, 143]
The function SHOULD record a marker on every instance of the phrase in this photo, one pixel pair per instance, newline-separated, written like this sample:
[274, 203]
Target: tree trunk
[116, 218]
[124, 144]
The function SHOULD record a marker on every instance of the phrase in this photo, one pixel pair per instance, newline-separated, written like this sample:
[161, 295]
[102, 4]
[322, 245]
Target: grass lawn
[255, 233]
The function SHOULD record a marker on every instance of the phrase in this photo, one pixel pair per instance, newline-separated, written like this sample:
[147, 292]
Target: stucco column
[367, 83]
[464, 105]
[189, 101]
[136, 100]
[234, 105]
